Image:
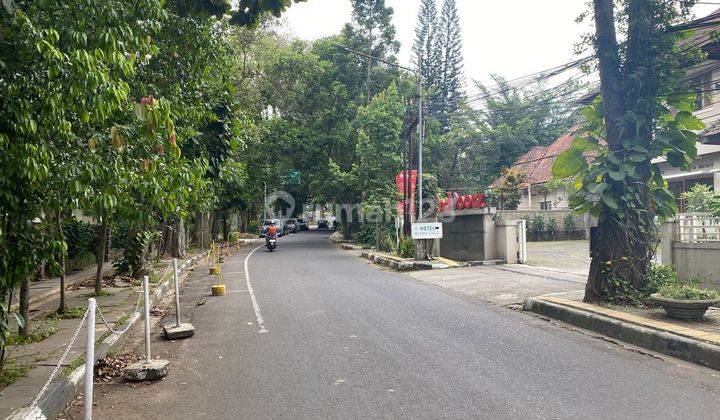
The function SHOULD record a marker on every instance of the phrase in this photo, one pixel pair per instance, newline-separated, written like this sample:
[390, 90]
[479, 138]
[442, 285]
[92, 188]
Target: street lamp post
[421, 128]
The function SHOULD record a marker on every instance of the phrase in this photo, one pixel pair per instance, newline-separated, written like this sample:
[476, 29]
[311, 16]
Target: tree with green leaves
[644, 113]
[450, 87]
[371, 31]
[427, 53]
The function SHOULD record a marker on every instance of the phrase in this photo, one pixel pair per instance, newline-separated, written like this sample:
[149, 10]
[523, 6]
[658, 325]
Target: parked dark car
[291, 226]
[303, 224]
[322, 224]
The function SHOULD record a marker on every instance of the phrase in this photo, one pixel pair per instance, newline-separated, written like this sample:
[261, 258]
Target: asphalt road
[347, 340]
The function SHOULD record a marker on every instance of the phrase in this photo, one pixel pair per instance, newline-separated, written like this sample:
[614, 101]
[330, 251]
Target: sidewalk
[40, 358]
[48, 287]
[694, 341]
[504, 284]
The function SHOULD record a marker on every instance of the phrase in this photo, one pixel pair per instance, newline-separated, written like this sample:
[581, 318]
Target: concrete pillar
[716, 179]
[530, 205]
[489, 240]
[507, 245]
[668, 234]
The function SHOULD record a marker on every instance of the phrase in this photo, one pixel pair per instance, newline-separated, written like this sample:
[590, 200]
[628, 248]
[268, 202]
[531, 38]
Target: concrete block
[174, 332]
[141, 371]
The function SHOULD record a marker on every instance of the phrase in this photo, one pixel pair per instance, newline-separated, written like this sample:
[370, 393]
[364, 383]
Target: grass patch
[37, 335]
[102, 293]
[11, 373]
[155, 278]
[71, 313]
[121, 321]
[76, 363]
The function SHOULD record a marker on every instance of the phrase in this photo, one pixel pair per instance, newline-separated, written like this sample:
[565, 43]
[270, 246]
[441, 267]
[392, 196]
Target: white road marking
[259, 318]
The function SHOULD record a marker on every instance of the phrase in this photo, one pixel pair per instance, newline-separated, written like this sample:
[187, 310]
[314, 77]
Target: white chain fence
[79, 328]
[60, 361]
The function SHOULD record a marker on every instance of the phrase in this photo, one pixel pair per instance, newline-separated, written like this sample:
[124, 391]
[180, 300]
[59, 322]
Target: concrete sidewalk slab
[505, 284]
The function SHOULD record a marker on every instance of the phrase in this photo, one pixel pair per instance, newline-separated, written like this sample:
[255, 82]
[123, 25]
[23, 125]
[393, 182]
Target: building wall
[557, 197]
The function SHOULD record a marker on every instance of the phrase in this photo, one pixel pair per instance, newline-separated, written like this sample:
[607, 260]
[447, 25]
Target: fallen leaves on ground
[110, 368]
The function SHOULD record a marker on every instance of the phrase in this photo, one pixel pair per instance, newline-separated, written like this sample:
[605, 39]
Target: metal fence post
[177, 293]
[146, 291]
[89, 359]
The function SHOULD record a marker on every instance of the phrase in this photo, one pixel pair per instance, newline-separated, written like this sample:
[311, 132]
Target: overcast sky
[511, 38]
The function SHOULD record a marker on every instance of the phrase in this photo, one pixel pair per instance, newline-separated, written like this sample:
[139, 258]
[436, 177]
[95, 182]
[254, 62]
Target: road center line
[256, 307]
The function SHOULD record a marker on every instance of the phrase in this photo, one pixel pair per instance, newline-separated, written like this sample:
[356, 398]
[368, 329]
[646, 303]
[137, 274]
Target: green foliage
[511, 190]
[612, 183]
[11, 372]
[406, 248]
[450, 93]
[551, 227]
[699, 199]
[537, 226]
[682, 291]
[569, 223]
[80, 236]
[658, 276]
[133, 260]
[75, 312]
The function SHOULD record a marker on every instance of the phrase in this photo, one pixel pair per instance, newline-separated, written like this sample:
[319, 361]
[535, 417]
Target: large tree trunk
[623, 251]
[177, 247]
[100, 255]
[63, 252]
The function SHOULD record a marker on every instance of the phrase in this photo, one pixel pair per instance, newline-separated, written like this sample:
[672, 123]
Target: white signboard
[427, 231]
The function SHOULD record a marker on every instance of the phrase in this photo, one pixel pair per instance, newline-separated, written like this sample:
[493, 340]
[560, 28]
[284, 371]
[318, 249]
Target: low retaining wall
[698, 260]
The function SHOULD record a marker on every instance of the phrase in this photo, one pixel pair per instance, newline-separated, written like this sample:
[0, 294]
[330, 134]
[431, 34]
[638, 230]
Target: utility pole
[421, 139]
[265, 215]
[408, 214]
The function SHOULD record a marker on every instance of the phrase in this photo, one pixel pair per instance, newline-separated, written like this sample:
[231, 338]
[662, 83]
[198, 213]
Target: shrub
[406, 248]
[254, 226]
[681, 291]
[570, 224]
[551, 226]
[658, 276]
[537, 226]
[81, 238]
[699, 199]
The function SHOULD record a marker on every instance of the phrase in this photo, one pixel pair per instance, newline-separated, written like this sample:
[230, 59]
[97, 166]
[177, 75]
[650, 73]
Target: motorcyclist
[271, 231]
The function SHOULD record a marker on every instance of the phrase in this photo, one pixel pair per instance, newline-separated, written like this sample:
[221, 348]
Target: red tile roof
[537, 163]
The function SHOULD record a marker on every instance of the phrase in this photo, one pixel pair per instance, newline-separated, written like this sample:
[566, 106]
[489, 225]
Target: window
[546, 205]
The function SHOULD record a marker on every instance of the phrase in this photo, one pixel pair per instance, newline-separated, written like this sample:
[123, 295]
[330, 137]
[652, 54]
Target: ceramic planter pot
[692, 310]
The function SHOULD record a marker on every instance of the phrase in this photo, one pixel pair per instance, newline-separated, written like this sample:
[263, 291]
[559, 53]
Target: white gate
[521, 231]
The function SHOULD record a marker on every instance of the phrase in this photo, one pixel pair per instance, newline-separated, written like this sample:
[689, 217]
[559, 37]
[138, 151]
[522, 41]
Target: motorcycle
[271, 243]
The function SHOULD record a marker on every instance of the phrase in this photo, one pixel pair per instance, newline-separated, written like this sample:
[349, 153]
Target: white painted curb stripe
[256, 307]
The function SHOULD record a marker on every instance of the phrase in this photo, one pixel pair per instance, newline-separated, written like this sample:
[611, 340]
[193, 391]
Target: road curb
[63, 390]
[398, 264]
[688, 349]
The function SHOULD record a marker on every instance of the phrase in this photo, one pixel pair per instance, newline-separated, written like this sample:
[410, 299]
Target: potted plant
[685, 301]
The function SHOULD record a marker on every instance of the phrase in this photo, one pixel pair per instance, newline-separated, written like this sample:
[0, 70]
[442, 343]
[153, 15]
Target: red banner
[400, 180]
